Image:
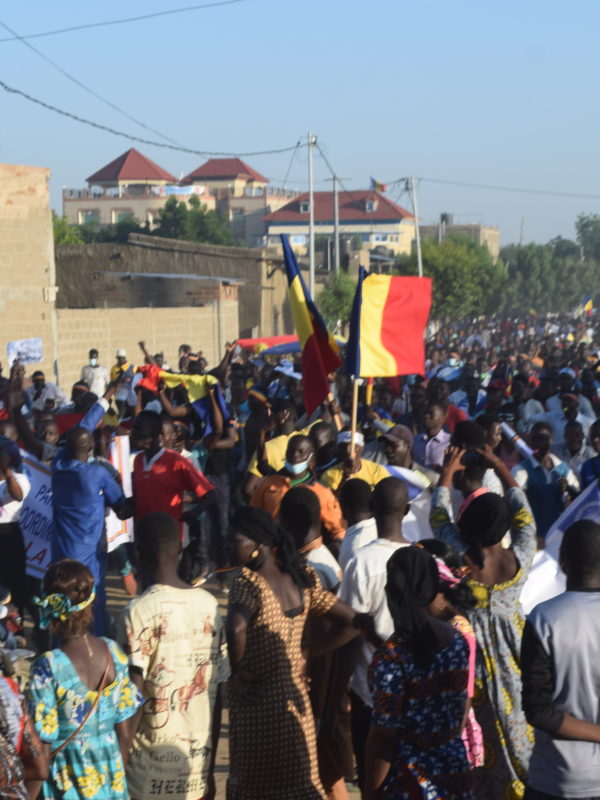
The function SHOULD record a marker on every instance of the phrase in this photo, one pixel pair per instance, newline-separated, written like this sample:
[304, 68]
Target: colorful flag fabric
[546, 578]
[387, 326]
[588, 306]
[377, 186]
[320, 352]
[198, 387]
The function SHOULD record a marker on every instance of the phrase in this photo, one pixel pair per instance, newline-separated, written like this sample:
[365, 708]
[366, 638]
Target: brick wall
[206, 328]
[26, 259]
[85, 274]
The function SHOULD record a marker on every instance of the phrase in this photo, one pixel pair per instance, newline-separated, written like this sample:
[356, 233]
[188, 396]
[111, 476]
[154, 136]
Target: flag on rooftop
[387, 326]
[320, 352]
[377, 186]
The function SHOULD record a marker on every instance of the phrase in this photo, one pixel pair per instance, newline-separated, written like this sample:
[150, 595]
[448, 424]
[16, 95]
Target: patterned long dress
[426, 708]
[272, 739]
[90, 766]
[498, 625]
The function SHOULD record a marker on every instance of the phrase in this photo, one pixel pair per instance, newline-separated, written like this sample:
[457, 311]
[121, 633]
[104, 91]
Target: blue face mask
[91, 459]
[297, 469]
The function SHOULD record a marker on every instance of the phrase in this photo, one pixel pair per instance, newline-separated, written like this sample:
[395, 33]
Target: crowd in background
[373, 579]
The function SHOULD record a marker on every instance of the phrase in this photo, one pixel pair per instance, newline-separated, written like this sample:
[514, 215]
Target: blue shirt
[80, 492]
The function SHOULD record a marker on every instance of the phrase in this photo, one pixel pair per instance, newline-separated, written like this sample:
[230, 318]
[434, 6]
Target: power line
[287, 174]
[122, 21]
[520, 190]
[179, 148]
[87, 89]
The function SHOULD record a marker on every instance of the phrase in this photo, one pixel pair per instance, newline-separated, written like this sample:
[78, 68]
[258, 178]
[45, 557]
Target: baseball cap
[120, 353]
[568, 371]
[399, 433]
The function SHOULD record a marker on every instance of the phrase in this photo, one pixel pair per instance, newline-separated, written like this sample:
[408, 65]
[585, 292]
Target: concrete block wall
[26, 259]
[163, 329]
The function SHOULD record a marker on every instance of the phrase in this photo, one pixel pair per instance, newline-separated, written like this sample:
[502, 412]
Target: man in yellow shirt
[357, 467]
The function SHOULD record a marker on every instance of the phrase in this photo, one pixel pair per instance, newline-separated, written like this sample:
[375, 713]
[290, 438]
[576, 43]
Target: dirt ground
[116, 599]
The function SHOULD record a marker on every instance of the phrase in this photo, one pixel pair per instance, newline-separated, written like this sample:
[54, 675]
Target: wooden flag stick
[336, 417]
[354, 415]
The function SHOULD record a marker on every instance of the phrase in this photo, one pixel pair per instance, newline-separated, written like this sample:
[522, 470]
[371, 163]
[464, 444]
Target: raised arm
[440, 516]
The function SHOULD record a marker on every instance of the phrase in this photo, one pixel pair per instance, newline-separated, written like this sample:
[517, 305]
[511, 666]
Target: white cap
[345, 437]
[121, 353]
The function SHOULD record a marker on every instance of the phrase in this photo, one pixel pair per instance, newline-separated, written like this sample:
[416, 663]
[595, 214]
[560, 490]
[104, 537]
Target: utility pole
[411, 183]
[311, 217]
[522, 232]
[336, 225]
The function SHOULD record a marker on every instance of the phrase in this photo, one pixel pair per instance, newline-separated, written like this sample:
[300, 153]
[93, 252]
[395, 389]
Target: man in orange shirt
[297, 471]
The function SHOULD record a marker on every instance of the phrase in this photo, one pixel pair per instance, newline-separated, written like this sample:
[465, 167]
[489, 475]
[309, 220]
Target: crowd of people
[372, 574]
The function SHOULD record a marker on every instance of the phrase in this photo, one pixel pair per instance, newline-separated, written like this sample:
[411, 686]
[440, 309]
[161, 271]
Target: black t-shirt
[219, 461]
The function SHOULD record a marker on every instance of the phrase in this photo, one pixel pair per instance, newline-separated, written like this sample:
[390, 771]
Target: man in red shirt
[161, 476]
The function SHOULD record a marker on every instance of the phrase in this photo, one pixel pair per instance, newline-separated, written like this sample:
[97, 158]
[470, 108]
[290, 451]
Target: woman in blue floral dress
[419, 682]
[80, 694]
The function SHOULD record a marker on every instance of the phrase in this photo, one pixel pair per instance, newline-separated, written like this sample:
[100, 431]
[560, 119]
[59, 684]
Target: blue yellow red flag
[377, 186]
[320, 352]
[387, 326]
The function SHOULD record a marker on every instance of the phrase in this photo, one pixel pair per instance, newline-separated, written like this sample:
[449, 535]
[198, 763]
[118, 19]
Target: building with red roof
[371, 216]
[231, 176]
[131, 168]
[131, 185]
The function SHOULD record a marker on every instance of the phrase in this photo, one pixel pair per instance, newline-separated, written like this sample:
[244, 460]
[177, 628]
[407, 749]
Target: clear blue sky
[493, 93]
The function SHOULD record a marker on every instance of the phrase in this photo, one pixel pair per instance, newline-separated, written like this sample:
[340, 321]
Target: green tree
[64, 232]
[335, 300]
[465, 279]
[587, 227]
[193, 222]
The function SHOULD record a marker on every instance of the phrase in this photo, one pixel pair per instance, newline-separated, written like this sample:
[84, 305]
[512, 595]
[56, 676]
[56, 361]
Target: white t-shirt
[175, 638]
[357, 536]
[10, 508]
[324, 564]
[363, 589]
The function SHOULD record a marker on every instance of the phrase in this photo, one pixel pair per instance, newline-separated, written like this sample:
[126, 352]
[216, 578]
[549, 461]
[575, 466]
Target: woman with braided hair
[273, 738]
[419, 682]
[497, 576]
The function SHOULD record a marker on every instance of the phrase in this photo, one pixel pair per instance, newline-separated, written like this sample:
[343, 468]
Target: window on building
[121, 214]
[237, 216]
[259, 191]
[299, 239]
[89, 217]
[249, 191]
[304, 207]
[380, 237]
[370, 206]
[365, 237]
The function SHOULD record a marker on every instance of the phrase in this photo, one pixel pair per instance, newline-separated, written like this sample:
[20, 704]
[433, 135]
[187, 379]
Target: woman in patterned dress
[419, 681]
[272, 731]
[496, 580]
[87, 759]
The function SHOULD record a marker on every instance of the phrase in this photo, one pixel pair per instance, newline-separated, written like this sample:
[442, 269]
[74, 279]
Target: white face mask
[297, 469]
[93, 362]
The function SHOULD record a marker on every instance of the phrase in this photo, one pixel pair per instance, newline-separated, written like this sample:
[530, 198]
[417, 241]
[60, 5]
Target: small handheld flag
[320, 352]
[387, 326]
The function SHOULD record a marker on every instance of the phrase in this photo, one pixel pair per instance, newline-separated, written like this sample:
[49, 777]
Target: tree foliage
[193, 222]
[64, 232]
[335, 300]
[466, 281]
[189, 220]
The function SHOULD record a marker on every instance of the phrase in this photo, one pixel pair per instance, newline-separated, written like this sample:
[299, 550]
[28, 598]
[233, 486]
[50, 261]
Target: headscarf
[412, 583]
[59, 606]
[259, 526]
[483, 523]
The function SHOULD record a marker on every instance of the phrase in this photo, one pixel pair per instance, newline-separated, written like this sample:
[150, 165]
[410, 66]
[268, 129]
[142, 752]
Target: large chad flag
[387, 326]
[320, 353]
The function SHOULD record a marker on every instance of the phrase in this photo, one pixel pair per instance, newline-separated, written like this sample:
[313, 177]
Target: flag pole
[354, 414]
